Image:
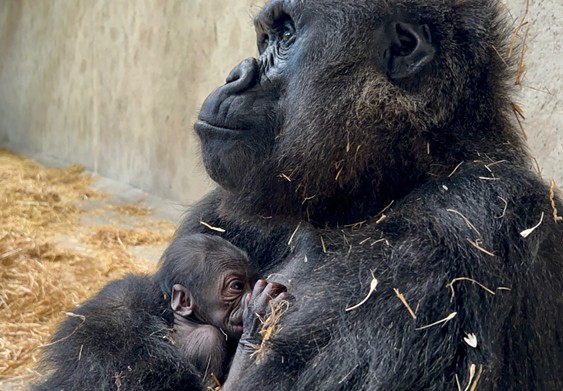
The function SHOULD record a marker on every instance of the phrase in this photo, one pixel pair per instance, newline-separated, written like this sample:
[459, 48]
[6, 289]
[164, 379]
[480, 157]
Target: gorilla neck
[282, 200]
[429, 157]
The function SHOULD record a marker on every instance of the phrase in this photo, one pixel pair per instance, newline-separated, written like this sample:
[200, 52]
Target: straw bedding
[50, 259]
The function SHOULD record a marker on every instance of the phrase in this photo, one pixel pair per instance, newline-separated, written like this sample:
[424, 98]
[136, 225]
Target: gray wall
[116, 84]
[541, 94]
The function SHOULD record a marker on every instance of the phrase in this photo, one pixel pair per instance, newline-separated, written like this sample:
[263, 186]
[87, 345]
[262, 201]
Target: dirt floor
[63, 235]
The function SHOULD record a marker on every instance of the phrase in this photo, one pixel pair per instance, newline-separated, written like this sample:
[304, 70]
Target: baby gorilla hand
[257, 307]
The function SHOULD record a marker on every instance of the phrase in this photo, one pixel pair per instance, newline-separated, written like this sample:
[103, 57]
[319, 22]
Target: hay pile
[41, 275]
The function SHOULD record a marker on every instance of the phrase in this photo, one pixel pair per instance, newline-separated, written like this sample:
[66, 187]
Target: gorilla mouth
[205, 129]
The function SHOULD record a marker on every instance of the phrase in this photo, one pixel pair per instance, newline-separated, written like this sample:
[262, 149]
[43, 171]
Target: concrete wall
[116, 84]
[541, 94]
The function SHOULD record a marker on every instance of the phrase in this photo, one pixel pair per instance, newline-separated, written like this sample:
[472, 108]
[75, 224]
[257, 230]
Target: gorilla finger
[277, 288]
[284, 296]
[257, 291]
[261, 305]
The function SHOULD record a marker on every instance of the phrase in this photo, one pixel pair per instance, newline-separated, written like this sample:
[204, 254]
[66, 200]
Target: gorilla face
[236, 124]
[340, 105]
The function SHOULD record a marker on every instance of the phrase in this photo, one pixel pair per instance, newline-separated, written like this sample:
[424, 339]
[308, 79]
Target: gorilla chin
[229, 154]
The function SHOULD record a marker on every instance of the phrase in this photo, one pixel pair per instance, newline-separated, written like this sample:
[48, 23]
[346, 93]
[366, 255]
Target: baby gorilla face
[222, 306]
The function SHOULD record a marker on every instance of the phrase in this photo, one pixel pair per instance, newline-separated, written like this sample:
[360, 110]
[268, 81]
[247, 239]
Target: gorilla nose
[243, 76]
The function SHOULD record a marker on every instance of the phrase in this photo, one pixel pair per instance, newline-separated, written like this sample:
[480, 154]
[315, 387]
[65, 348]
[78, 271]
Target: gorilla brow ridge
[269, 14]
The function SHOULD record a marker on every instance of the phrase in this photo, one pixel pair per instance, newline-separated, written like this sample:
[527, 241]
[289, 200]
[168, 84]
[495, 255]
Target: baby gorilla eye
[237, 285]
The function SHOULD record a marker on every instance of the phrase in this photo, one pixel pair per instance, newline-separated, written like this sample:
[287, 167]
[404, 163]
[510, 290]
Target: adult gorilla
[384, 128]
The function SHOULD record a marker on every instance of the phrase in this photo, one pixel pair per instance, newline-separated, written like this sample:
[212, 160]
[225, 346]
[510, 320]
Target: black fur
[307, 183]
[118, 340]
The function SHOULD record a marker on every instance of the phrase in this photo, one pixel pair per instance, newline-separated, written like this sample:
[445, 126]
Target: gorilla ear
[181, 301]
[409, 48]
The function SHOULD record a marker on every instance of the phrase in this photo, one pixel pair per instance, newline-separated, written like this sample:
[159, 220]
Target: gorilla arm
[202, 345]
[462, 266]
[117, 338]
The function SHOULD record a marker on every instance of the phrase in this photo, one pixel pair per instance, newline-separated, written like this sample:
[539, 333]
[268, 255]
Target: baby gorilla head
[205, 278]
[218, 276]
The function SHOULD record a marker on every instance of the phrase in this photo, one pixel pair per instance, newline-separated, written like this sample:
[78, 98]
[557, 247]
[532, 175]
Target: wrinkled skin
[220, 304]
[230, 307]
[374, 141]
[257, 308]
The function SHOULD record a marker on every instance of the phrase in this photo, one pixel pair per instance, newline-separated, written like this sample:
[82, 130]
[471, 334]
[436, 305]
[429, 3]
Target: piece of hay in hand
[270, 327]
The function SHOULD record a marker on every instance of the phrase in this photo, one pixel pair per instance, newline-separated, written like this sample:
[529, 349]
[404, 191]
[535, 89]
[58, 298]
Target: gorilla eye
[287, 35]
[236, 285]
[284, 28]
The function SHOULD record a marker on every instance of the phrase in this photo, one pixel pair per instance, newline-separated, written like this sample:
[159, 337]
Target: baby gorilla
[206, 289]
[170, 331]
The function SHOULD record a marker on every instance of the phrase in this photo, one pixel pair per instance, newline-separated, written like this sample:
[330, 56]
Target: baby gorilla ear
[408, 48]
[182, 301]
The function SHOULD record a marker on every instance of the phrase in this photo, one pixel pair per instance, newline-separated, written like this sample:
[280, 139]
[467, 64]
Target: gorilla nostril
[234, 75]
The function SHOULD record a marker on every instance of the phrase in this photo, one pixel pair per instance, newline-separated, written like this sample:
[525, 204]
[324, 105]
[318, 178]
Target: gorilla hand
[257, 307]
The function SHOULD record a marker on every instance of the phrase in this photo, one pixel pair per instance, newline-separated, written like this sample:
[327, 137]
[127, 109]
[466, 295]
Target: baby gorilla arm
[202, 345]
[257, 307]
